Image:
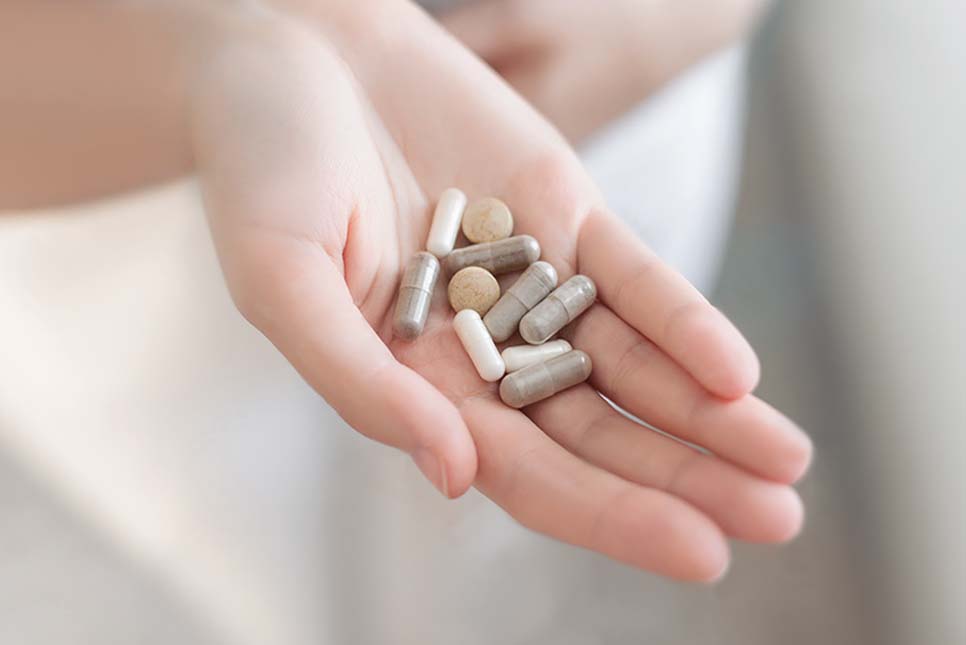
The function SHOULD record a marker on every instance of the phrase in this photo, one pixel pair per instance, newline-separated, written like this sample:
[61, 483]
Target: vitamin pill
[487, 220]
[478, 344]
[568, 301]
[542, 380]
[502, 256]
[529, 289]
[446, 222]
[516, 358]
[415, 296]
[473, 288]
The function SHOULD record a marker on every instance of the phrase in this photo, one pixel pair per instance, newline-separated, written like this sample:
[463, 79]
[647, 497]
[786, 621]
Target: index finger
[661, 304]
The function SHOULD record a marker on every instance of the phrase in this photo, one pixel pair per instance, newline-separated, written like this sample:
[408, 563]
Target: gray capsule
[542, 380]
[415, 295]
[568, 301]
[529, 289]
[512, 254]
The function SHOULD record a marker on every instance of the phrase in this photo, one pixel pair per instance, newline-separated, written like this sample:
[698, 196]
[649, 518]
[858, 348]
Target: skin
[593, 61]
[320, 138]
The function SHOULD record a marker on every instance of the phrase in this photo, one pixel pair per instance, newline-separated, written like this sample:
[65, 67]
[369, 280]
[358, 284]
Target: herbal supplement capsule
[487, 220]
[415, 296]
[516, 358]
[503, 256]
[568, 301]
[541, 380]
[446, 222]
[529, 289]
[473, 288]
[478, 344]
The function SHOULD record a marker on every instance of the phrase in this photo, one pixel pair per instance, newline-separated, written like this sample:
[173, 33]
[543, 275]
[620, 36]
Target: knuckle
[630, 283]
[635, 357]
[679, 471]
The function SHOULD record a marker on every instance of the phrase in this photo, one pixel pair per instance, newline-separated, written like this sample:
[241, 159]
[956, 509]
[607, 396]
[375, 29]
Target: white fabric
[133, 389]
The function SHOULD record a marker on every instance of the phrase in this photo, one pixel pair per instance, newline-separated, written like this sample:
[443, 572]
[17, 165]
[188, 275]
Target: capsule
[568, 301]
[478, 345]
[520, 356]
[415, 296]
[446, 222]
[542, 380]
[503, 256]
[529, 289]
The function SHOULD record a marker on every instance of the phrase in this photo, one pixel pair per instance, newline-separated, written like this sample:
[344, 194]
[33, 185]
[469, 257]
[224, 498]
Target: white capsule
[446, 222]
[520, 356]
[478, 345]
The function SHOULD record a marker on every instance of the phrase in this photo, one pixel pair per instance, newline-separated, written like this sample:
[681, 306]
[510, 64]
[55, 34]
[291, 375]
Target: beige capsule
[473, 288]
[512, 254]
[567, 301]
[529, 289]
[487, 220]
[415, 295]
[542, 380]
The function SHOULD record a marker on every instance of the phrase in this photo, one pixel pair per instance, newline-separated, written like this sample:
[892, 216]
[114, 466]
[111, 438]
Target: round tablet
[473, 288]
[487, 220]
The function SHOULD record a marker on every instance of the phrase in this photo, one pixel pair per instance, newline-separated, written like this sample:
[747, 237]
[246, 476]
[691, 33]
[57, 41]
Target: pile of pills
[534, 305]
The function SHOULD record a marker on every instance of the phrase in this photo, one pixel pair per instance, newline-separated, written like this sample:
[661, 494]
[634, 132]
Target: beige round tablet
[473, 288]
[487, 220]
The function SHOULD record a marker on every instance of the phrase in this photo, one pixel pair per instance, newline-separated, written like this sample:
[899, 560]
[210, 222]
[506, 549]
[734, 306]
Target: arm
[94, 95]
[319, 144]
[582, 63]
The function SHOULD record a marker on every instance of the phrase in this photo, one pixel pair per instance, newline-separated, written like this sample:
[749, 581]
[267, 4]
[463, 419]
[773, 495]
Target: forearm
[94, 97]
[676, 34]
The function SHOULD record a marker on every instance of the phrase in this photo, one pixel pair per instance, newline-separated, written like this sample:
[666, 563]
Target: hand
[319, 176]
[582, 64]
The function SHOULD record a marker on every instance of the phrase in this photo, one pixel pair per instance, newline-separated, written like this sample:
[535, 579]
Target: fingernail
[432, 468]
[721, 574]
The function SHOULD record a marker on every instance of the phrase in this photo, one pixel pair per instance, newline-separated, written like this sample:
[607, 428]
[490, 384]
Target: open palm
[320, 155]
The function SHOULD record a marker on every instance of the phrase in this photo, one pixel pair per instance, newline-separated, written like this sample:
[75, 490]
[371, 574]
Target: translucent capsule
[520, 356]
[478, 345]
[529, 289]
[446, 222]
[512, 254]
[415, 296]
[568, 301]
[542, 380]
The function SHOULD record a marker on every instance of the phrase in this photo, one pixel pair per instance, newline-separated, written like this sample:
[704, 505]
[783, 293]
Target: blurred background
[166, 477]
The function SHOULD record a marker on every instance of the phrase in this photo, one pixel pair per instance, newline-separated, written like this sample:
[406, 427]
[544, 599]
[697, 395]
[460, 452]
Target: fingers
[550, 490]
[744, 506]
[642, 379]
[665, 308]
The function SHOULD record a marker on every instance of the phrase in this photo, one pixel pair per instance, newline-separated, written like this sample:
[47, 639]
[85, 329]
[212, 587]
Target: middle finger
[744, 506]
[634, 373]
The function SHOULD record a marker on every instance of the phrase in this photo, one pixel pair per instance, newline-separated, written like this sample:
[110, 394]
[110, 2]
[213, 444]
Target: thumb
[280, 139]
[302, 304]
